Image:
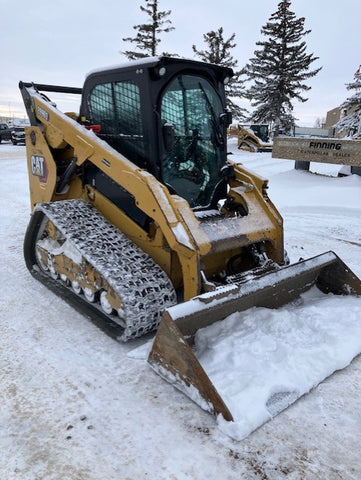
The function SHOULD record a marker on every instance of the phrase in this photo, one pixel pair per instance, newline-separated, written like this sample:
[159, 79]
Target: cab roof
[155, 63]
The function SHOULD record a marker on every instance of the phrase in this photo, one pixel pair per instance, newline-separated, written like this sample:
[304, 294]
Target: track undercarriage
[73, 245]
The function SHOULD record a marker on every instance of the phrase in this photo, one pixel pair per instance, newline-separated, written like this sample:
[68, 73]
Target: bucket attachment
[172, 355]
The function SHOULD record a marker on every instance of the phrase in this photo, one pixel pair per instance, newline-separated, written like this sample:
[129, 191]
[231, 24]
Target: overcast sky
[60, 42]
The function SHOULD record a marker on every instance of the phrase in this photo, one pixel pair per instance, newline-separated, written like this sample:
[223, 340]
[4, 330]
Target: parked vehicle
[18, 135]
[5, 132]
[252, 138]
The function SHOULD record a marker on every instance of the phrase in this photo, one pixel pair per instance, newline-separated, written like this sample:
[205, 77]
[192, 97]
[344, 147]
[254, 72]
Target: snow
[75, 404]
[181, 235]
[67, 248]
[149, 61]
[131, 64]
[273, 357]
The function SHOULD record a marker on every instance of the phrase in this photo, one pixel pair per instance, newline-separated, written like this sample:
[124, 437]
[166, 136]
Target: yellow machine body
[206, 257]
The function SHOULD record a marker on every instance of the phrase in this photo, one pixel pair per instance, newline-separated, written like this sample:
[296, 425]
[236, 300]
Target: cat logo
[39, 168]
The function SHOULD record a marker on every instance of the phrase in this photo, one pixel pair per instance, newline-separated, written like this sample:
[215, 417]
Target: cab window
[116, 107]
[192, 106]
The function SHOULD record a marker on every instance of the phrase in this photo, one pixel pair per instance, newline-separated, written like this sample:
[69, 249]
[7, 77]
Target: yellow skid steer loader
[142, 223]
[251, 138]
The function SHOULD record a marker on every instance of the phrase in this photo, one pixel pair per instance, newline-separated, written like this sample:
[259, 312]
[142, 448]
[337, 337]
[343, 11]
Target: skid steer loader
[251, 138]
[140, 220]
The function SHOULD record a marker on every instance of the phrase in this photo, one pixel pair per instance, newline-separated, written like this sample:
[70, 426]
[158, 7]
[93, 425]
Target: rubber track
[143, 287]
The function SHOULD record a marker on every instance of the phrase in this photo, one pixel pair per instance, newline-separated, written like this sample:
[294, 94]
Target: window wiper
[216, 129]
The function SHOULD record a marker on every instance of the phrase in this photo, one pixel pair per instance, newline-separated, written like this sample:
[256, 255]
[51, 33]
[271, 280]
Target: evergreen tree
[350, 123]
[147, 39]
[218, 51]
[279, 69]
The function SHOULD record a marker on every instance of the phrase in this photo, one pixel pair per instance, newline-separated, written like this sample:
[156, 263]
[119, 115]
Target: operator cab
[167, 115]
[192, 109]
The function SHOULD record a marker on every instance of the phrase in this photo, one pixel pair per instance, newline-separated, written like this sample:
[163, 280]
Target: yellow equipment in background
[252, 138]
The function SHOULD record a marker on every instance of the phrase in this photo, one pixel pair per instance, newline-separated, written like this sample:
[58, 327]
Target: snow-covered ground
[75, 406]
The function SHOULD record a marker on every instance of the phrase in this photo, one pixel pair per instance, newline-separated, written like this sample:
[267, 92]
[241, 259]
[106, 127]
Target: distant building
[312, 132]
[328, 128]
[332, 117]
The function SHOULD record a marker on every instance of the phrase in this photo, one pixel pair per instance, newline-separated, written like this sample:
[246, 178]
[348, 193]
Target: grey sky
[59, 42]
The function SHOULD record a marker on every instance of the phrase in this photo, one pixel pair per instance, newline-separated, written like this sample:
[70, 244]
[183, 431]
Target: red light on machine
[94, 128]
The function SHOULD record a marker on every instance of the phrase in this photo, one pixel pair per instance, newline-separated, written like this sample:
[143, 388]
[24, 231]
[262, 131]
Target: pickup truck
[5, 132]
[18, 135]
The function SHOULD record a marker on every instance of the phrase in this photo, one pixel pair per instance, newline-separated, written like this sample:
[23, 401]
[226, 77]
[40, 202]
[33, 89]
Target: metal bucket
[172, 356]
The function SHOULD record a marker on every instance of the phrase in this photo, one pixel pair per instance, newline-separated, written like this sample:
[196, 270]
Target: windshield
[261, 131]
[192, 166]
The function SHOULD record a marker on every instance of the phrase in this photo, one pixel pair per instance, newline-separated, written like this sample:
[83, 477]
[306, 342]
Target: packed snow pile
[262, 360]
